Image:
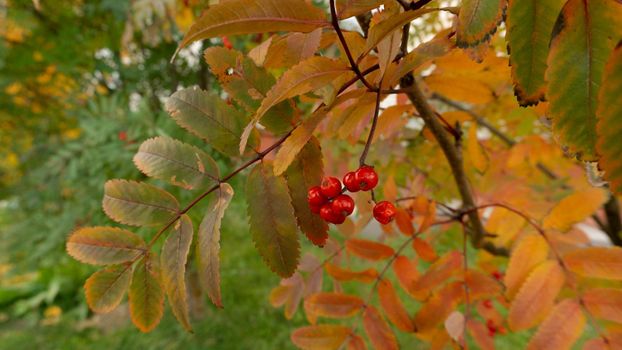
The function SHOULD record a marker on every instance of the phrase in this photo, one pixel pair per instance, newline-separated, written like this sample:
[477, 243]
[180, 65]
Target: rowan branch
[344, 44]
[452, 154]
[372, 130]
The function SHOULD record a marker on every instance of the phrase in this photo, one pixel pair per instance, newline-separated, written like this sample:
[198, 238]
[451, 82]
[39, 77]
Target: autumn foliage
[483, 237]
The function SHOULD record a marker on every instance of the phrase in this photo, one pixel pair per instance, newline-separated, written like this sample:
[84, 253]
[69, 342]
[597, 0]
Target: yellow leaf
[536, 297]
[320, 337]
[574, 208]
[476, 152]
[561, 329]
[529, 253]
[596, 262]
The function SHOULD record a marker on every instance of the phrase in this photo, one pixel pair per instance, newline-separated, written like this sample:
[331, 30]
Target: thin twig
[465, 263]
[344, 44]
[372, 130]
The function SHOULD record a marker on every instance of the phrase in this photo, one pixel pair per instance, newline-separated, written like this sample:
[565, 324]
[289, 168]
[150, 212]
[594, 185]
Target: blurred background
[81, 86]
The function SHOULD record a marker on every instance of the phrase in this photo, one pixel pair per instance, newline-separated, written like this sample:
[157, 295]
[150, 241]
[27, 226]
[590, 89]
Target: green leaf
[296, 141]
[255, 16]
[138, 204]
[248, 84]
[307, 171]
[349, 8]
[173, 262]
[208, 117]
[146, 297]
[609, 112]
[176, 162]
[272, 221]
[104, 245]
[309, 75]
[583, 38]
[478, 20]
[530, 23]
[105, 288]
[208, 246]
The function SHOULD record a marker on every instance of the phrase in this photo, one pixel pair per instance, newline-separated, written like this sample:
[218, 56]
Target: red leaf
[368, 249]
[378, 330]
[393, 307]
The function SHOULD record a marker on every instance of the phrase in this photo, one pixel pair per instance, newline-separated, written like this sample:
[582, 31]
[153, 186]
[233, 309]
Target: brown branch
[452, 154]
[612, 212]
[344, 44]
[372, 130]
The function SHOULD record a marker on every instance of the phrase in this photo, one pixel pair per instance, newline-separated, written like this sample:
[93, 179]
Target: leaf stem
[372, 130]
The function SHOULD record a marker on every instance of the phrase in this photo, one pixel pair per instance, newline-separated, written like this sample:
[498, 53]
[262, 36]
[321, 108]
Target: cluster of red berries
[329, 201]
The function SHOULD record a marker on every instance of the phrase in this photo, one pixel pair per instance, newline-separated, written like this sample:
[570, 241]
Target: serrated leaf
[104, 245]
[388, 48]
[481, 285]
[604, 303]
[440, 271]
[530, 252]
[292, 48]
[146, 297]
[208, 117]
[406, 272]
[424, 250]
[105, 288]
[254, 16]
[478, 20]
[356, 343]
[596, 262]
[138, 204]
[369, 250]
[438, 307]
[296, 141]
[308, 75]
[320, 337]
[476, 152]
[537, 296]
[248, 84]
[578, 52]
[305, 172]
[378, 330]
[341, 274]
[331, 305]
[208, 244]
[608, 127]
[176, 162]
[272, 220]
[393, 307]
[173, 262]
[349, 8]
[529, 26]
[561, 329]
[574, 208]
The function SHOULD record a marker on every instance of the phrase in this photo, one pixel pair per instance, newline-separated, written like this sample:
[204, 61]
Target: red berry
[366, 178]
[343, 205]
[349, 180]
[331, 187]
[315, 208]
[384, 212]
[327, 213]
[487, 304]
[497, 275]
[315, 196]
[227, 43]
[122, 136]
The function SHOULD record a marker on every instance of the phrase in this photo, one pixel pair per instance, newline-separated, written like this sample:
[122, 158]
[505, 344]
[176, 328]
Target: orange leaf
[561, 329]
[476, 152]
[436, 309]
[406, 272]
[537, 296]
[438, 273]
[104, 245]
[278, 295]
[297, 288]
[597, 262]
[424, 250]
[404, 221]
[604, 303]
[429, 216]
[574, 208]
[332, 305]
[393, 307]
[479, 332]
[529, 252]
[368, 249]
[341, 274]
[320, 337]
[481, 285]
[378, 330]
[356, 343]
